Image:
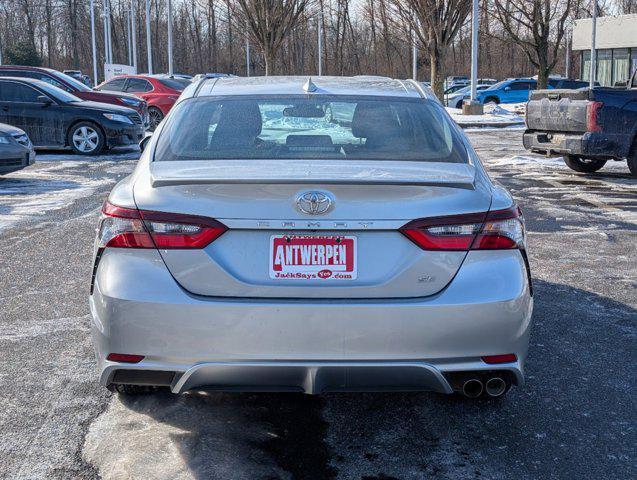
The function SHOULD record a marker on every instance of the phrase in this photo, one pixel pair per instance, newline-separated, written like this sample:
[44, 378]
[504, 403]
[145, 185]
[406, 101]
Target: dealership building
[616, 44]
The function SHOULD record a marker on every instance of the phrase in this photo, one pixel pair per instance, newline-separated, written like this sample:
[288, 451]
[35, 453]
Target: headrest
[372, 119]
[240, 122]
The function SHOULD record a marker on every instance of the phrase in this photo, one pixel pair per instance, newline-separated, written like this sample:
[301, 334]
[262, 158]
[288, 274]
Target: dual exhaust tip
[494, 387]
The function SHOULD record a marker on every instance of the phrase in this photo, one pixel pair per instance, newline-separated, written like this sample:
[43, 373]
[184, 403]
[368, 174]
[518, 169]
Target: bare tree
[538, 27]
[268, 22]
[436, 24]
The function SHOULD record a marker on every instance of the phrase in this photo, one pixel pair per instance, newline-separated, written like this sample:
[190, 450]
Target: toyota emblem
[314, 203]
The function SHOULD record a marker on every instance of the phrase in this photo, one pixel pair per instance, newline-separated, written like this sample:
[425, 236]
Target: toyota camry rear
[318, 235]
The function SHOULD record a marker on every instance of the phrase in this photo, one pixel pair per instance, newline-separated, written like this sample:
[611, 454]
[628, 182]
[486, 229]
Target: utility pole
[320, 44]
[593, 50]
[170, 38]
[148, 39]
[93, 43]
[247, 57]
[134, 33]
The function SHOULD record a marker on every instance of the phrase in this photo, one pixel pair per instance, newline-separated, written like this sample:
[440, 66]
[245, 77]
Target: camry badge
[314, 203]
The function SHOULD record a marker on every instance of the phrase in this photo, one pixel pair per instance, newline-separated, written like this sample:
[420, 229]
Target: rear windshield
[175, 83]
[301, 127]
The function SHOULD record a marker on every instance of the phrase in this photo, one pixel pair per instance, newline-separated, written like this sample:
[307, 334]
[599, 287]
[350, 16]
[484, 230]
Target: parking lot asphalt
[575, 417]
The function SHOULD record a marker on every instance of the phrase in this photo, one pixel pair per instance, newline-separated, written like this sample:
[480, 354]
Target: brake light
[505, 358]
[132, 228]
[592, 116]
[124, 358]
[495, 230]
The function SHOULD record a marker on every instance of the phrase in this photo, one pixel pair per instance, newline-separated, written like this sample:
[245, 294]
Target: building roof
[612, 32]
[360, 85]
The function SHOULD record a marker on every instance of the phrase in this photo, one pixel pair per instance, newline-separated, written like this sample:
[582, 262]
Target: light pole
[474, 50]
[247, 57]
[148, 40]
[473, 106]
[170, 37]
[320, 44]
[129, 37]
[105, 32]
[134, 33]
[593, 51]
[93, 43]
[414, 56]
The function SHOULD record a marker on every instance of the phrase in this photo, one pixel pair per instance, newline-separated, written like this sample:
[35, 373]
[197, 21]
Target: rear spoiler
[327, 172]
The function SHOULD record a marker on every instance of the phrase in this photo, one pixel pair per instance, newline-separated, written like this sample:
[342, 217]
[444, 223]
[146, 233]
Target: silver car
[258, 246]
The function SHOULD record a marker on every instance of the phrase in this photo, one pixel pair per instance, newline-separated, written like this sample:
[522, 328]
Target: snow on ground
[55, 181]
[506, 114]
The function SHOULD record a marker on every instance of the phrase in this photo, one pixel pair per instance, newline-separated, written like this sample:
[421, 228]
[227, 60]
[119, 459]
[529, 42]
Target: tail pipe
[472, 388]
[495, 387]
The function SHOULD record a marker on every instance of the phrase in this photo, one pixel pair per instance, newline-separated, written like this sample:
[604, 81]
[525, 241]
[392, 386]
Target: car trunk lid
[259, 203]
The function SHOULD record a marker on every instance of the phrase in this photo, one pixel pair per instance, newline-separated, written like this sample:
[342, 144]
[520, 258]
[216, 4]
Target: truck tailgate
[558, 110]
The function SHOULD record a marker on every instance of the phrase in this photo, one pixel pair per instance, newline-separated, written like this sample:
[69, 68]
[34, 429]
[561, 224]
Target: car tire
[86, 138]
[583, 165]
[155, 116]
[459, 104]
[632, 159]
[495, 100]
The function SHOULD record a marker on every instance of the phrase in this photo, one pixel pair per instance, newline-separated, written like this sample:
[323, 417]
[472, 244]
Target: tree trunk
[437, 73]
[268, 58]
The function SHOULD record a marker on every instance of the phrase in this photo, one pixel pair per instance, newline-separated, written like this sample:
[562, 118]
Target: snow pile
[508, 114]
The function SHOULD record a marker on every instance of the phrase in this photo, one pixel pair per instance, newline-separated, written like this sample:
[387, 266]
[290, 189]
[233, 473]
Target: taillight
[131, 228]
[592, 116]
[495, 230]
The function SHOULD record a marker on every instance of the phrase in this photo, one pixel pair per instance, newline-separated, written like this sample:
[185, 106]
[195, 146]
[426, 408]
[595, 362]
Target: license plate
[304, 257]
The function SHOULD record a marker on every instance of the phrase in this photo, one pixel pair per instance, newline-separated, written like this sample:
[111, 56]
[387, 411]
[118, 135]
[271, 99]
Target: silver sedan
[261, 246]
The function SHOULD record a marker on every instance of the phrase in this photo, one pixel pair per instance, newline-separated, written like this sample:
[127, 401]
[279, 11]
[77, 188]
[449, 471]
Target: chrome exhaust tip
[495, 387]
[472, 388]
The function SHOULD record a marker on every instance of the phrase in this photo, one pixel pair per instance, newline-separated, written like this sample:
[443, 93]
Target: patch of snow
[493, 115]
[54, 182]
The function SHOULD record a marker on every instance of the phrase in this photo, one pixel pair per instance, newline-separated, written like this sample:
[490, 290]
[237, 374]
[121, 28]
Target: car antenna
[309, 86]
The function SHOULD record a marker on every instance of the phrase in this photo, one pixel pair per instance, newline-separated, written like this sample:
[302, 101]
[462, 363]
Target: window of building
[586, 65]
[605, 67]
[621, 66]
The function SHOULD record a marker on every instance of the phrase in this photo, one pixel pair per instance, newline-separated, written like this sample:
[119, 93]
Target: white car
[455, 99]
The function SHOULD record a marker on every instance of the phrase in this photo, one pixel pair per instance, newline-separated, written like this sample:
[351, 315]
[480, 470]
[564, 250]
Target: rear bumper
[594, 145]
[309, 345]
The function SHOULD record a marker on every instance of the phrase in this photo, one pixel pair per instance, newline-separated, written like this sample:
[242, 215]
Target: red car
[77, 88]
[160, 92]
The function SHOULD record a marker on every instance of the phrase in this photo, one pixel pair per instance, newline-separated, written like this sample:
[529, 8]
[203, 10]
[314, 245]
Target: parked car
[487, 81]
[54, 118]
[76, 74]
[16, 150]
[250, 253]
[159, 91]
[456, 80]
[587, 127]
[455, 99]
[199, 76]
[454, 88]
[517, 90]
[76, 88]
